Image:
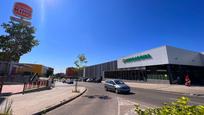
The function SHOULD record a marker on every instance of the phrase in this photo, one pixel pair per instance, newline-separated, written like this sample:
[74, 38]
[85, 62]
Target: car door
[107, 85]
[112, 85]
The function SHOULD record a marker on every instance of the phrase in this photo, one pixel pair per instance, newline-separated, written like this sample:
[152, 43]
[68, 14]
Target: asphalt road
[97, 101]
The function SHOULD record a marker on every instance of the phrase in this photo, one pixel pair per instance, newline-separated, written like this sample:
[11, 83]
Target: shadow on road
[103, 97]
[130, 93]
[5, 94]
[2, 100]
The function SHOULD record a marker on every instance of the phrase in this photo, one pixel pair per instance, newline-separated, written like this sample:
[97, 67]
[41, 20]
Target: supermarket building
[165, 64]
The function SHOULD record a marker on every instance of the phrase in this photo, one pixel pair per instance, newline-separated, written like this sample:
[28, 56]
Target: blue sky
[105, 30]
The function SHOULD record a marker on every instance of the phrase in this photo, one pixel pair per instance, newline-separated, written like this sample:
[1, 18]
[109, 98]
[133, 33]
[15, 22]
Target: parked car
[83, 79]
[69, 81]
[90, 80]
[98, 79]
[117, 86]
[63, 80]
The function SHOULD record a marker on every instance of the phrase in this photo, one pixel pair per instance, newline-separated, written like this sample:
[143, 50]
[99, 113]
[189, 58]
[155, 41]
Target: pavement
[16, 88]
[193, 90]
[97, 101]
[31, 103]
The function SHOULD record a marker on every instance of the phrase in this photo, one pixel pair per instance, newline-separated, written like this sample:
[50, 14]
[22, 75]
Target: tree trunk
[84, 72]
[76, 86]
[10, 63]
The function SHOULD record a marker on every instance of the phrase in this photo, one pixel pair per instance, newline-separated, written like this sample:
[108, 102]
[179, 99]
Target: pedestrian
[53, 83]
[187, 80]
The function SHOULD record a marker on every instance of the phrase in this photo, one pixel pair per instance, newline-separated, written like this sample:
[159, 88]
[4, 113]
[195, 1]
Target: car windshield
[119, 82]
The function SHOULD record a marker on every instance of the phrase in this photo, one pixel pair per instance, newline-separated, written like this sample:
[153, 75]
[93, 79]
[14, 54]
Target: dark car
[117, 86]
[83, 79]
[98, 79]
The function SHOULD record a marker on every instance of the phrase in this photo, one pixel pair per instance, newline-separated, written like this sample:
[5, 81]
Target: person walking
[187, 81]
[53, 82]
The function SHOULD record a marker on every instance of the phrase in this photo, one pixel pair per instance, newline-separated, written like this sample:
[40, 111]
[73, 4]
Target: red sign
[22, 10]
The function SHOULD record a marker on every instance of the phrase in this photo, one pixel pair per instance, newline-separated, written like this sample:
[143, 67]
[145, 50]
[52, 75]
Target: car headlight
[117, 86]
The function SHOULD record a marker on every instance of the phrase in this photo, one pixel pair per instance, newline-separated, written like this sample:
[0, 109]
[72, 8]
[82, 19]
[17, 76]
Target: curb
[58, 105]
[172, 92]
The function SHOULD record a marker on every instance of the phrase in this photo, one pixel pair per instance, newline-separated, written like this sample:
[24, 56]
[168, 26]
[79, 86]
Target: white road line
[118, 106]
[125, 102]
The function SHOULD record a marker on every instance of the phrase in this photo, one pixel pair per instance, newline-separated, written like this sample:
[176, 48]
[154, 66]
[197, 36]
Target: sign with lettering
[137, 58]
[22, 10]
[20, 20]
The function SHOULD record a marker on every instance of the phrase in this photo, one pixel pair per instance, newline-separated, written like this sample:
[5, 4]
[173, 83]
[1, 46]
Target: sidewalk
[31, 103]
[197, 90]
[12, 88]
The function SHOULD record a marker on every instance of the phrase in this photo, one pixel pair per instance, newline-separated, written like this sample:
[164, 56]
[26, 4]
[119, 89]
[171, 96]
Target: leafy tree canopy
[80, 61]
[18, 40]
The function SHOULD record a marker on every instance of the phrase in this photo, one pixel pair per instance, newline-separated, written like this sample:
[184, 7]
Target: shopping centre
[165, 64]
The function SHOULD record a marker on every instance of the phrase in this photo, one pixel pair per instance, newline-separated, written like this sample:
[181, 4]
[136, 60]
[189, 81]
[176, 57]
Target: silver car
[117, 86]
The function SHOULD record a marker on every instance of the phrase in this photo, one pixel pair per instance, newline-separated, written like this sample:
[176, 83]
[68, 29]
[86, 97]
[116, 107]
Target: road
[96, 101]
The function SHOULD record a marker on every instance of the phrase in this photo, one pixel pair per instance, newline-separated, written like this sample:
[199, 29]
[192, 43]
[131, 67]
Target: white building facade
[165, 64]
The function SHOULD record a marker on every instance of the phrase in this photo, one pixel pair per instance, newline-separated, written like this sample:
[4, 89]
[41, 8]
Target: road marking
[118, 106]
[124, 102]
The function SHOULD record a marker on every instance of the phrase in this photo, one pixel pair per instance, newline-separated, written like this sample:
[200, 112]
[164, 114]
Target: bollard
[24, 87]
[29, 85]
[38, 82]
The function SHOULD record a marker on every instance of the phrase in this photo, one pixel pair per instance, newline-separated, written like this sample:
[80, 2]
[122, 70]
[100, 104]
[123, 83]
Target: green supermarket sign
[137, 58]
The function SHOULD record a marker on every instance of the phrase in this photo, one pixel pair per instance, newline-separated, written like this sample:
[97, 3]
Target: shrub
[179, 107]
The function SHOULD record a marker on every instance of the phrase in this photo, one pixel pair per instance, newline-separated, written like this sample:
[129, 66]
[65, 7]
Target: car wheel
[106, 88]
[116, 91]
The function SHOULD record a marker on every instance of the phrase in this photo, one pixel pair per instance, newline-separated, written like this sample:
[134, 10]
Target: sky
[106, 30]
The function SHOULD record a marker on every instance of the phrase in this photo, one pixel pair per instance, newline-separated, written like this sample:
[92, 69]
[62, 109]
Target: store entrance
[179, 72]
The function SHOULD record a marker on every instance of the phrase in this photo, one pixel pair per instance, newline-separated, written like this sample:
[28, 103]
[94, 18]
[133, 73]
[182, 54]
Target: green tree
[80, 61]
[80, 65]
[18, 40]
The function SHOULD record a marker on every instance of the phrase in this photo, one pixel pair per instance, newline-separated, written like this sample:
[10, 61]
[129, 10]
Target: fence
[35, 85]
[21, 88]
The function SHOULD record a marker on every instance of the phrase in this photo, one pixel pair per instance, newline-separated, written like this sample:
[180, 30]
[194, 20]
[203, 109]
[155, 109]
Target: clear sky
[105, 30]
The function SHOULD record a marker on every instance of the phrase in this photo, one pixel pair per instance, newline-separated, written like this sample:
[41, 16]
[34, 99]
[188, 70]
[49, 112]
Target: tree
[19, 40]
[81, 61]
[80, 65]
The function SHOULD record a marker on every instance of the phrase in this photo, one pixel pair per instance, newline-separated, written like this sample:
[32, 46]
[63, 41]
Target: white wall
[159, 56]
[184, 57]
[165, 55]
